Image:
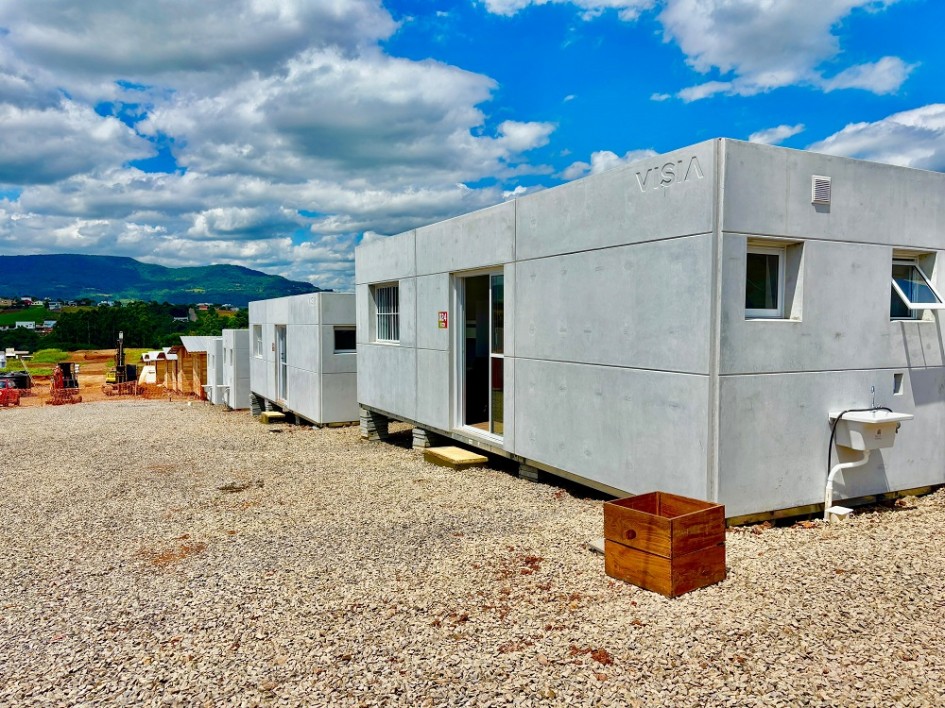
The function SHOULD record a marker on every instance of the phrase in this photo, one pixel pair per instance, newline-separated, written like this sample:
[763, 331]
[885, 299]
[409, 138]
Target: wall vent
[820, 190]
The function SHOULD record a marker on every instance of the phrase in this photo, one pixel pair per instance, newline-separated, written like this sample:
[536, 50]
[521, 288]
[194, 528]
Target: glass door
[483, 356]
[281, 367]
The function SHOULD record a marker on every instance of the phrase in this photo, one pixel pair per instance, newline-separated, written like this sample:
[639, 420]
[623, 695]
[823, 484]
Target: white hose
[828, 492]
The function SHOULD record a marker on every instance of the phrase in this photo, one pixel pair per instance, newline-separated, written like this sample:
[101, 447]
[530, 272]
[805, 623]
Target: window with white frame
[257, 341]
[764, 282]
[387, 311]
[912, 291]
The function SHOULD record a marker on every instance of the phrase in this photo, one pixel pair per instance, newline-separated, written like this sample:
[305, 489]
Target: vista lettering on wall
[669, 174]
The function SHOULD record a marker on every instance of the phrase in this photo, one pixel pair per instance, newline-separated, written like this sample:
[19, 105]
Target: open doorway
[482, 317]
[281, 367]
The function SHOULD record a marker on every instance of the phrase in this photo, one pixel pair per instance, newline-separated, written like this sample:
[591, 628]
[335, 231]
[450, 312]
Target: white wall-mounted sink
[868, 430]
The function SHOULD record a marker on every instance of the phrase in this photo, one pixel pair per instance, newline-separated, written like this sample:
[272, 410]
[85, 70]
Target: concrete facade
[236, 368]
[295, 365]
[630, 362]
[214, 384]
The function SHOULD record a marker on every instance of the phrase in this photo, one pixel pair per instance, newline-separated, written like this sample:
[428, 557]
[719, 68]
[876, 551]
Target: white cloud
[755, 45]
[295, 132]
[776, 135]
[521, 137]
[626, 9]
[768, 44]
[604, 160]
[914, 138]
[42, 145]
[146, 38]
[883, 76]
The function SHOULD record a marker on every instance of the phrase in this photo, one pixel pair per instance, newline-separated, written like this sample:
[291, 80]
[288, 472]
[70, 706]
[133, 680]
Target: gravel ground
[335, 572]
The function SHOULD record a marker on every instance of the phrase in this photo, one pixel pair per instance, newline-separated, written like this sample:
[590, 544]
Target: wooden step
[269, 417]
[455, 457]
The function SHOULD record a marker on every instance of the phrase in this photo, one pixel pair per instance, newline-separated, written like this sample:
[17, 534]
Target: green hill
[71, 277]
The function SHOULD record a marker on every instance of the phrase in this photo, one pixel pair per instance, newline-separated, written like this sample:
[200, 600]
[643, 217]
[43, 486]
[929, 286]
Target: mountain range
[73, 277]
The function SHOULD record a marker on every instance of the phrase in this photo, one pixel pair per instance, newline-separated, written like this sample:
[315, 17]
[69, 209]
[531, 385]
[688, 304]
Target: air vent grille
[820, 190]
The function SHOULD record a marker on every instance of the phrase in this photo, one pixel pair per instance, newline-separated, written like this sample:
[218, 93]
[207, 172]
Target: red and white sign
[442, 320]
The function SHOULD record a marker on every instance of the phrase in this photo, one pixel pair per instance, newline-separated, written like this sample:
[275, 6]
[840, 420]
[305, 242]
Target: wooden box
[664, 542]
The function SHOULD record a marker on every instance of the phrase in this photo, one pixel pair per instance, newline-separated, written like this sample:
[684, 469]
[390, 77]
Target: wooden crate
[664, 542]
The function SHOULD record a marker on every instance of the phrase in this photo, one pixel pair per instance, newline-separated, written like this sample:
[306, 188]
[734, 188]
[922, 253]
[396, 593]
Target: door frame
[281, 362]
[458, 351]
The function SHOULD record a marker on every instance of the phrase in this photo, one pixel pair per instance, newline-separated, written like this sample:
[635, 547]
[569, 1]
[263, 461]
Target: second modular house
[686, 323]
[302, 357]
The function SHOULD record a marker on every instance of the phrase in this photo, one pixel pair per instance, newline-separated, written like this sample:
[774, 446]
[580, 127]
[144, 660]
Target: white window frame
[386, 312]
[257, 341]
[334, 334]
[776, 313]
[915, 308]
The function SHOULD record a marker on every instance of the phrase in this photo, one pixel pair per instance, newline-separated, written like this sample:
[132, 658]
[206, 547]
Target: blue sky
[278, 135]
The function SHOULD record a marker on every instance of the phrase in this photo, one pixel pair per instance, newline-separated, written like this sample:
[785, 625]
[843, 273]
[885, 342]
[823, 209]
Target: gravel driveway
[333, 572]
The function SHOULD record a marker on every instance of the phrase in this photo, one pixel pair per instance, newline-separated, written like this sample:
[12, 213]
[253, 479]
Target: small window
[764, 282]
[257, 341]
[387, 308]
[912, 291]
[345, 340]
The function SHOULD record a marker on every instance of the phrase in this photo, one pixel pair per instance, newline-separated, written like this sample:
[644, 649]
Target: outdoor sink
[868, 430]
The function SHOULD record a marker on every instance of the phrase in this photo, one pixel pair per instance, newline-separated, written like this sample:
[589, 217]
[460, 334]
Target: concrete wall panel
[363, 312]
[300, 310]
[768, 191]
[637, 431]
[302, 347]
[642, 306]
[433, 388]
[339, 398]
[391, 385]
[660, 197]
[386, 259]
[838, 330]
[433, 297]
[302, 394]
[482, 238]
[774, 433]
[336, 309]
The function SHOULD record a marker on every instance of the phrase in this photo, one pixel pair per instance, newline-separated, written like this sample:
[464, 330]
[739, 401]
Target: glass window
[764, 282]
[911, 291]
[345, 340]
[387, 307]
[257, 341]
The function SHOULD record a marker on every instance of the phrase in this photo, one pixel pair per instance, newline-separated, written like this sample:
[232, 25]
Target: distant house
[166, 366]
[6, 302]
[26, 325]
[192, 356]
[54, 306]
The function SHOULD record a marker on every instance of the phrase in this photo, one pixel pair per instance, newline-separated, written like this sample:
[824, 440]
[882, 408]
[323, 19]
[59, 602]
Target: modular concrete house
[303, 358]
[236, 368]
[685, 323]
[213, 386]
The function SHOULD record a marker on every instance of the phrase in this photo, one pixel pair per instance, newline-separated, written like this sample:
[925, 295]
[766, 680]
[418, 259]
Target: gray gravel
[165, 554]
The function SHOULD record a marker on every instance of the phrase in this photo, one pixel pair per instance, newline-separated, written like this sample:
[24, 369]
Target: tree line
[149, 325]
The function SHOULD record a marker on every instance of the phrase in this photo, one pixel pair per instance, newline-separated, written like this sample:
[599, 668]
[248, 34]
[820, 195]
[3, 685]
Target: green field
[30, 314]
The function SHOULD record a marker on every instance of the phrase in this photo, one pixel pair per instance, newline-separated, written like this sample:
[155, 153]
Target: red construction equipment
[9, 393]
[64, 387]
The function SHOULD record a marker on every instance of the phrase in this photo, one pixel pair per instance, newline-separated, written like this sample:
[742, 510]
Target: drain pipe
[828, 492]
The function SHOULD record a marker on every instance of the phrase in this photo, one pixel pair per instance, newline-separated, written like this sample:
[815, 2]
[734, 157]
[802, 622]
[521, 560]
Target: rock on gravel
[346, 573]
